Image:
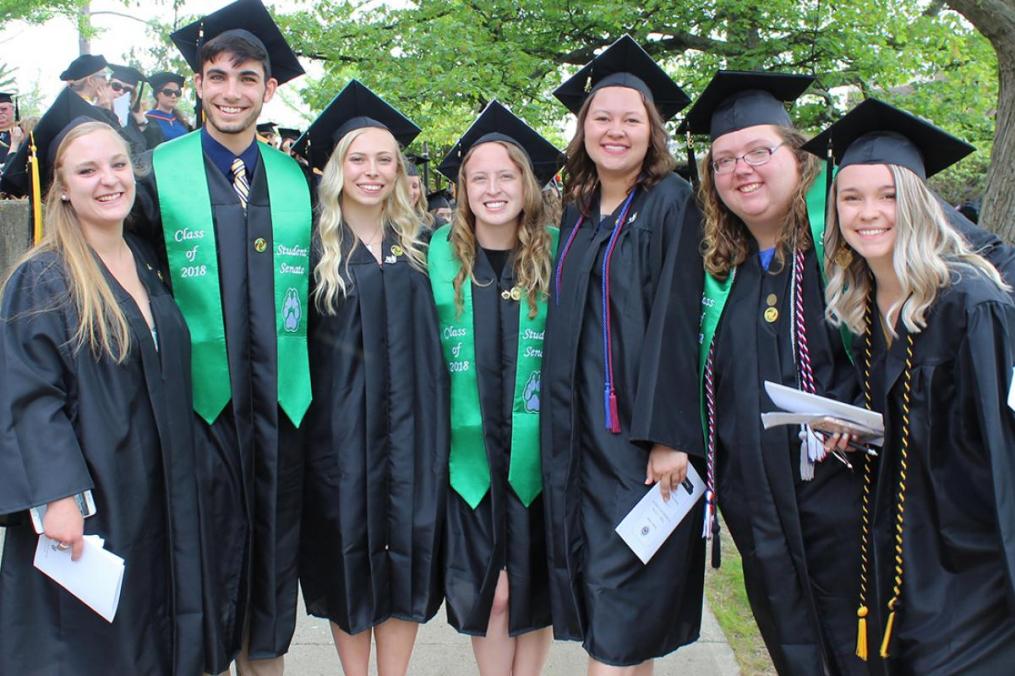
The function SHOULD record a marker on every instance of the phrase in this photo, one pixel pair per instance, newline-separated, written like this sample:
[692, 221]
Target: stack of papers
[803, 408]
[95, 578]
[646, 527]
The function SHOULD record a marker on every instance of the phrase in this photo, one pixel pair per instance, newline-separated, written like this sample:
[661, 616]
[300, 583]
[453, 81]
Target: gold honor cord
[33, 158]
[862, 611]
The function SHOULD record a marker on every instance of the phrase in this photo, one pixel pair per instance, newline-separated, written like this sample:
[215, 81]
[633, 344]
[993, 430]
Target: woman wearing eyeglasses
[793, 518]
[167, 89]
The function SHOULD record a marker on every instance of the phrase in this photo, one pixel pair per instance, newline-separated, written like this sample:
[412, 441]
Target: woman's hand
[839, 442]
[63, 522]
[666, 465]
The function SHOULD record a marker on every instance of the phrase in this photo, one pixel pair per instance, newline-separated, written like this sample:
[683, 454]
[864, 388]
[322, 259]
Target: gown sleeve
[667, 408]
[39, 447]
[145, 220]
[987, 355]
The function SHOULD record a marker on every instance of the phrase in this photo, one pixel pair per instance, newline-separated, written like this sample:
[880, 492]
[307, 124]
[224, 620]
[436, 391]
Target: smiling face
[232, 94]
[761, 196]
[494, 187]
[865, 202]
[370, 167]
[415, 189]
[617, 132]
[98, 178]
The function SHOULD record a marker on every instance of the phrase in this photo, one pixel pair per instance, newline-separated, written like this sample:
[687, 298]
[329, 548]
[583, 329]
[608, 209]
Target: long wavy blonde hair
[101, 324]
[726, 239]
[927, 253]
[534, 256]
[397, 215]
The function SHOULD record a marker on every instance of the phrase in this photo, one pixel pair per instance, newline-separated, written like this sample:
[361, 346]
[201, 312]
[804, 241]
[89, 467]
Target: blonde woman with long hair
[376, 437]
[935, 347]
[792, 517]
[490, 272]
[95, 405]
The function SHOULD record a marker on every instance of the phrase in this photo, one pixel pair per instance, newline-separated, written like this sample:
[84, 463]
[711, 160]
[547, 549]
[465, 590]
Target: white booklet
[95, 578]
[646, 527]
[803, 408]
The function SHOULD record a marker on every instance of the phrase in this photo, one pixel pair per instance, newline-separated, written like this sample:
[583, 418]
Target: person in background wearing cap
[86, 77]
[934, 328]
[792, 516]
[622, 326]
[11, 134]
[267, 132]
[231, 219]
[167, 88]
[416, 195]
[95, 402]
[377, 432]
[287, 137]
[126, 84]
[490, 272]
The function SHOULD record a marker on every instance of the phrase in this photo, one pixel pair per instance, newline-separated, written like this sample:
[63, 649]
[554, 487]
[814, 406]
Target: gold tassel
[861, 633]
[888, 633]
[36, 190]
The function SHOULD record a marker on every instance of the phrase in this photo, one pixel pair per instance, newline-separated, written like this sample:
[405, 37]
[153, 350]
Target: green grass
[728, 600]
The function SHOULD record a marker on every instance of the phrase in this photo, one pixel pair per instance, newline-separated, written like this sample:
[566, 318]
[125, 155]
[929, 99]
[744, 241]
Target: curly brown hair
[725, 242]
[582, 177]
[534, 256]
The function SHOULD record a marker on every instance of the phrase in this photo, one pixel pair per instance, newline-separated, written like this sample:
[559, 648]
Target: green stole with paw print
[469, 467]
[189, 233]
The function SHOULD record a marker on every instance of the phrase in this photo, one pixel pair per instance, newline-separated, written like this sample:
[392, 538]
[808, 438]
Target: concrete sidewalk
[441, 651]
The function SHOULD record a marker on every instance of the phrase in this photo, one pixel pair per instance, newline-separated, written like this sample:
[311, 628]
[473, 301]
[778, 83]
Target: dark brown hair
[582, 177]
[240, 47]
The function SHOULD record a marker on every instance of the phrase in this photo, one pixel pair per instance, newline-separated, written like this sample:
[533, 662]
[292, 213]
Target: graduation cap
[162, 78]
[288, 133]
[624, 64]
[267, 128]
[83, 66]
[439, 199]
[131, 76]
[6, 97]
[497, 123]
[31, 170]
[735, 100]
[877, 133]
[355, 107]
[249, 19]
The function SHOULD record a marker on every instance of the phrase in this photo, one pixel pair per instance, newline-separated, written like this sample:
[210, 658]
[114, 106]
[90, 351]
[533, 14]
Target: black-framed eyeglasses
[755, 158]
[120, 87]
[168, 91]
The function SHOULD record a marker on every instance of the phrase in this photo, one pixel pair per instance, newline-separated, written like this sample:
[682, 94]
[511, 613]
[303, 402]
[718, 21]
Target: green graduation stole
[468, 467]
[189, 232]
[716, 292]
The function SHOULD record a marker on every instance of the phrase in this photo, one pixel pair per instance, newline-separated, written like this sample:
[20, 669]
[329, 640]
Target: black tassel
[17, 110]
[716, 548]
[692, 163]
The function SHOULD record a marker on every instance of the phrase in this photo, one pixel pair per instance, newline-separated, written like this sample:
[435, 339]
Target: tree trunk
[84, 42]
[996, 20]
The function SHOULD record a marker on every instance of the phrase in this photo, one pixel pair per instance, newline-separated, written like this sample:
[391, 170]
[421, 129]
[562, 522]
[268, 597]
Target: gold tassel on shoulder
[33, 159]
[888, 630]
[861, 633]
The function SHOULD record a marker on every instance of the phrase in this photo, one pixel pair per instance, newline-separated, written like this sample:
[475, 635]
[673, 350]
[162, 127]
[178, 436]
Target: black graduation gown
[600, 592]
[799, 540]
[501, 532]
[377, 445]
[71, 422]
[251, 458]
[984, 242]
[957, 613]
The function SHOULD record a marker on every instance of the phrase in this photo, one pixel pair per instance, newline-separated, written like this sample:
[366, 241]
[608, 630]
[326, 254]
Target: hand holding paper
[95, 578]
[803, 408]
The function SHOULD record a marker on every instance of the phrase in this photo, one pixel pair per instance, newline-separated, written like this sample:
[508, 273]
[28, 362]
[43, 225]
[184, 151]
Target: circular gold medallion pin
[397, 250]
[260, 245]
[771, 314]
[771, 300]
[516, 293]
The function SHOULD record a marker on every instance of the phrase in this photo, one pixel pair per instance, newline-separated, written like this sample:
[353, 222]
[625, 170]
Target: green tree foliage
[37, 11]
[441, 61]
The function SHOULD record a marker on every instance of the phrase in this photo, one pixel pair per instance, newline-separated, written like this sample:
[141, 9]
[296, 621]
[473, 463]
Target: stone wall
[13, 233]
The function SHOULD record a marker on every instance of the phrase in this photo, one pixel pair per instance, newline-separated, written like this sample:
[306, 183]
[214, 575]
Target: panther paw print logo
[292, 310]
[530, 395]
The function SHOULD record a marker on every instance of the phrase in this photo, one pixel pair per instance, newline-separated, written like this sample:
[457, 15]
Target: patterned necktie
[240, 184]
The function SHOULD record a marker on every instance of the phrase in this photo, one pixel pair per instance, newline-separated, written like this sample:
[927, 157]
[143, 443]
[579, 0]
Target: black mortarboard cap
[131, 76]
[624, 64]
[83, 66]
[68, 108]
[355, 107]
[288, 132]
[410, 167]
[735, 100]
[267, 128]
[439, 199]
[497, 123]
[249, 18]
[877, 133]
[6, 97]
[162, 78]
